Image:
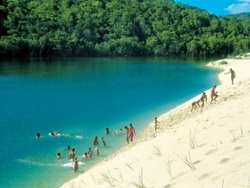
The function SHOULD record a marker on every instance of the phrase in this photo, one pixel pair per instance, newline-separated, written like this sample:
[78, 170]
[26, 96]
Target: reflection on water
[41, 67]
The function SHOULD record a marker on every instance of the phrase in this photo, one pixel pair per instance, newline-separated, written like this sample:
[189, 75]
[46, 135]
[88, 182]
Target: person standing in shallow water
[131, 132]
[95, 141]
[72, 154]
[233, 75]
[127, 134]
[90, 152]
[103, 142]
[75, 164]
[107, 131]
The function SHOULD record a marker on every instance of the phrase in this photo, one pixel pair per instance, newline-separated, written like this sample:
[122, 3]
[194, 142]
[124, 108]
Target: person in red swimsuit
[131, 132]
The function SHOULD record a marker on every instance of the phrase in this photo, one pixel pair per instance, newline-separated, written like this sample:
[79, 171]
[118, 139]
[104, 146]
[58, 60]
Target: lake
[80, 98]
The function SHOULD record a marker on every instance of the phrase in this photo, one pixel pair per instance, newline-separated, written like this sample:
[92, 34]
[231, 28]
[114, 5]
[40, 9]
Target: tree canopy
[42, 28]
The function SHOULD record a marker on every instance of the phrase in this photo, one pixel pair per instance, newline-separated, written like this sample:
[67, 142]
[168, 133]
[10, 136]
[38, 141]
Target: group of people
[214, 94]
[72, 156]
[130, 133]
[203, 99]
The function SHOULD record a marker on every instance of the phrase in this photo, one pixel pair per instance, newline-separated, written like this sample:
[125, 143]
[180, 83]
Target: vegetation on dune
[38, 28]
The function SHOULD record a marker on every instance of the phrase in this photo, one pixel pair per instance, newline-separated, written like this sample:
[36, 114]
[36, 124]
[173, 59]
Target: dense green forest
[42, 28]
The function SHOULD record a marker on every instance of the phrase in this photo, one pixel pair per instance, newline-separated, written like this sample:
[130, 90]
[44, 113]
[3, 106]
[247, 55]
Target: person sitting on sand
[95, 141]
[214, 94]
[131, 132]
[103, 142]
[156, 123]
[75, 164]
[203, 99]
[233, 75]
[72, 154]
[195, 104]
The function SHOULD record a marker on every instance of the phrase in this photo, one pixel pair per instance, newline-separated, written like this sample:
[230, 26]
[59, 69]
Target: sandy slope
[207, 148]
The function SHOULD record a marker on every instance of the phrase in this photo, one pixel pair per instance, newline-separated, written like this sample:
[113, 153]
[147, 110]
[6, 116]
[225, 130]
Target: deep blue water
[80, 98]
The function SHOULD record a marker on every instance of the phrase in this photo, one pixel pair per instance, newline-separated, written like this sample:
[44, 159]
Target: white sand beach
[205, 148]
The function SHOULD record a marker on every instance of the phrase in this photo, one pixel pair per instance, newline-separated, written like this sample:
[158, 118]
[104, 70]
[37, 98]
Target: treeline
[38, 28]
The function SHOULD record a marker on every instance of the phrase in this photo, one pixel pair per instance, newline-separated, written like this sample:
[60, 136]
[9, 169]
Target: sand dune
[208, 147]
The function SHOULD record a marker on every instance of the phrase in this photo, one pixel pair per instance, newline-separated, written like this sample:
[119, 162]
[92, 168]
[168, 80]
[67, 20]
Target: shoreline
[190, 148]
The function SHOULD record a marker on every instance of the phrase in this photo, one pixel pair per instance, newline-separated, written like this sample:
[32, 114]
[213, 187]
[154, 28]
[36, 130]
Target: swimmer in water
[54, 133]
[59, 155]
[68, 148]
[38, 135]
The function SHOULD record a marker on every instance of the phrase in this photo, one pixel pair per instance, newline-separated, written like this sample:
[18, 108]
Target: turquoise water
[80, 98]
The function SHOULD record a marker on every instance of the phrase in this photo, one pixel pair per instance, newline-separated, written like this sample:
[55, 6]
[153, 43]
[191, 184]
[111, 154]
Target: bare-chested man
[195, 104]
[156, 123]
[72, 154]
[214, 94]
[203, 99]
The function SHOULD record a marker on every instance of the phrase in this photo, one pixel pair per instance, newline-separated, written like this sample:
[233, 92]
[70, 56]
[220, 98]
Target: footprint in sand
[238, 148]
[225, 160]
[211, 151]
[204, 176]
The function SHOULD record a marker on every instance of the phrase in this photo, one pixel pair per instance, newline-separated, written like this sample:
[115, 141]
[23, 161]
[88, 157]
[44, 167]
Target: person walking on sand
[214, 94]
[233, 75]
[131, 132]
[195, 104]
[75, 164]
[203, 99]
[127, 134]
[156, 123]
